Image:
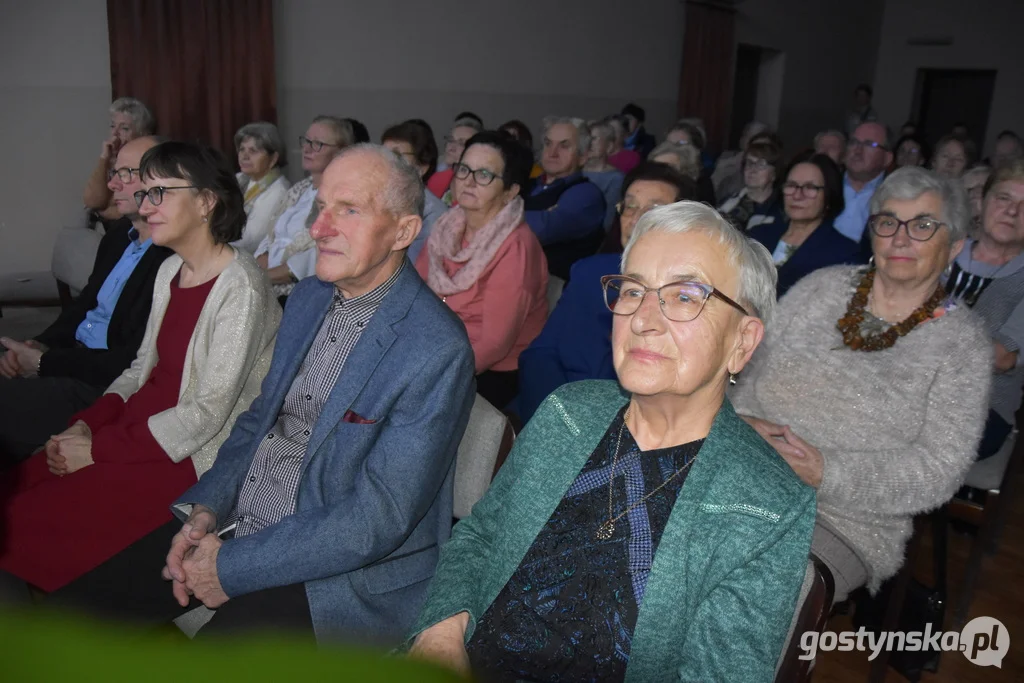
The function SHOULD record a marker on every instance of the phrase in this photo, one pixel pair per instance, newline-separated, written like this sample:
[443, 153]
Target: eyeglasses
[156, 194]
[757, 164]
[629, 210]
[315, 145]
[481, 175]
[919, 229]
[680, 301]
[123, 174]
[856, 142]
[807, 189]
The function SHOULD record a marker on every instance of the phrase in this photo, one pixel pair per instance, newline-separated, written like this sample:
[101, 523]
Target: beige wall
[829, 48]
[989, 38]
[54, 90]
[389, 60]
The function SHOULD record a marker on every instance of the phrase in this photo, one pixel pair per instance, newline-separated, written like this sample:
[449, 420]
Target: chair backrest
[483, 449]
[74, 254]
[988, 474]
[555, 287]
[812, 611]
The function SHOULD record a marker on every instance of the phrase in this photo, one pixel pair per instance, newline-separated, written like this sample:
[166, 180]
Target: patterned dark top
[568, 612]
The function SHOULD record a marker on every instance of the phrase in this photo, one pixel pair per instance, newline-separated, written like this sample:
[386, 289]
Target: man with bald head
[48, 379]
[325, 509]
[868, 155]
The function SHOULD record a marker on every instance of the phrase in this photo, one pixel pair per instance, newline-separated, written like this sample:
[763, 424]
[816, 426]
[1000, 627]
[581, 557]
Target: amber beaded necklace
[850, 324]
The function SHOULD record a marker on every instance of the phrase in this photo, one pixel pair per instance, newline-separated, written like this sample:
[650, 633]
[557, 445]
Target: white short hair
[758, 276]
[142, 118]
[910, 182]
[687, 158]
[582, 130]
[403, 194]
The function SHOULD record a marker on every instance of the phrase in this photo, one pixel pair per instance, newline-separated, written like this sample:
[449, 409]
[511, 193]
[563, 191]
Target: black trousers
[994, 436]
[128, 588]
[499, 388]
[34, 409]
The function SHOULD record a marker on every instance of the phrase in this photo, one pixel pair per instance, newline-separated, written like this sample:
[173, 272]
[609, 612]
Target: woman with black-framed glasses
[807, 240]
[287, 252]
[873, 386]
[158, 427]
[639, 524]
[483, 260]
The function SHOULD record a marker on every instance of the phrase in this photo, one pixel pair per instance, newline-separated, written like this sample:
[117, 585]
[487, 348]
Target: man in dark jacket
[46, 380]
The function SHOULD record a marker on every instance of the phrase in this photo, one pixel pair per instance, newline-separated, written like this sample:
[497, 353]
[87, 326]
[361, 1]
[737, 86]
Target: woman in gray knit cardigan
[873, 385]
[988, 277]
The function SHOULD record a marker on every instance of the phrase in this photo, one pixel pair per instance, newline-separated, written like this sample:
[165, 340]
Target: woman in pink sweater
[483, 260]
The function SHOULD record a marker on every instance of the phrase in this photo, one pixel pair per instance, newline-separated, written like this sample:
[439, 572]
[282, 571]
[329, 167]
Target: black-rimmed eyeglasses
[156, 194]
[315, 145]
[919, 229]
[481, 175]
[123, 174]
[680, 301]
[809, 190]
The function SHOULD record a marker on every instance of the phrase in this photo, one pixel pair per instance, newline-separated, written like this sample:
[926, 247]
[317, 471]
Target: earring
[948, 271]
[732, 379]
[205, 218]
[871, 262]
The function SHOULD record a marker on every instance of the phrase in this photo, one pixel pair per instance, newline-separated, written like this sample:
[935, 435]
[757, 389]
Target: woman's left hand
[808, 463]
[73, 451]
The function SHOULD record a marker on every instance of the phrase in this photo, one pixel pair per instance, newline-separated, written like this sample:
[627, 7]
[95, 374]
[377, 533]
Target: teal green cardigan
[725, 579]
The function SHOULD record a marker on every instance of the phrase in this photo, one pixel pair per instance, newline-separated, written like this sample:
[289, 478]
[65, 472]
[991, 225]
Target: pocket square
[355, 418]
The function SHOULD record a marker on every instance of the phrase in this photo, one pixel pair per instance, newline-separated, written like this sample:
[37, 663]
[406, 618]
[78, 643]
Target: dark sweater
[99, 367]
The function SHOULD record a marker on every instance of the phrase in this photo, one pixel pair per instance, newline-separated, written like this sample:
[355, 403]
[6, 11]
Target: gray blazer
[375, 499]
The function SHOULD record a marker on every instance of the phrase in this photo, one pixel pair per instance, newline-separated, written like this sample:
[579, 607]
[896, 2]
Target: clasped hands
[69, 451]
[806, 460]
[21, 359]
[192, 561]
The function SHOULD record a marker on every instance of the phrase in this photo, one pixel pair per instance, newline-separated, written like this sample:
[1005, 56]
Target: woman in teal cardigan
[640, 532]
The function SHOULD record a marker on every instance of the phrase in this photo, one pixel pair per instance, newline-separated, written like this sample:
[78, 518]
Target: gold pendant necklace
[607, 528]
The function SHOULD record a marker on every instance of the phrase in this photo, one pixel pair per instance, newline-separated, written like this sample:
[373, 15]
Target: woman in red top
[109, 479]
[486, 263]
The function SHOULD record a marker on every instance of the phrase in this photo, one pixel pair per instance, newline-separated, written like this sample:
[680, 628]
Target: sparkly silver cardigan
[228, 356]
[898, 428]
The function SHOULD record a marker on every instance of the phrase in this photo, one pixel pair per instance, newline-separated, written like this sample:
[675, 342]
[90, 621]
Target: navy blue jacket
[575, 344]
[826, 246]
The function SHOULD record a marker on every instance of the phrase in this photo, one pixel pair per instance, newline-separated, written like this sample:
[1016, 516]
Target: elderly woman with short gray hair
[129, 119]
[287, 252]
[261, 156]
[638, 525]
[873, 384]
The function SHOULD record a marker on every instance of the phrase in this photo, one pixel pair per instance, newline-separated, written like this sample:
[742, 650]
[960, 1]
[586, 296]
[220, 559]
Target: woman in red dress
[109, 479]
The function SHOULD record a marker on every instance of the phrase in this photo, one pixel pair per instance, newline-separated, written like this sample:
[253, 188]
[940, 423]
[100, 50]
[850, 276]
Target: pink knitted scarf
[445, 242]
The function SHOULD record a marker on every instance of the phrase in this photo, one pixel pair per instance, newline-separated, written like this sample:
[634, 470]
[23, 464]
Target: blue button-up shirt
[854, 218]
[93, 330]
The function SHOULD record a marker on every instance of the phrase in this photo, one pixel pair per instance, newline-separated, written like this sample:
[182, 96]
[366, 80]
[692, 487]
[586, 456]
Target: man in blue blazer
[337, 482]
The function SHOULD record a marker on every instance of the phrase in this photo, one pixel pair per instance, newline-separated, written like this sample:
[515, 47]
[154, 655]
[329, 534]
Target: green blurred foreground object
[49, 648]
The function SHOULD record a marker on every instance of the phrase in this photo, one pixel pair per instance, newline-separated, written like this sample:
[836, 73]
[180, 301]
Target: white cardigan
[228, 356]
[261, 214]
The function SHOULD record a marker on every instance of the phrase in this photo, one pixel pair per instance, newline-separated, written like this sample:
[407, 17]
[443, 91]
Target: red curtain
[203, 67]
[705, 83]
